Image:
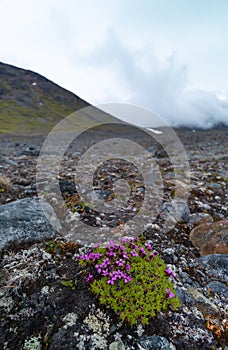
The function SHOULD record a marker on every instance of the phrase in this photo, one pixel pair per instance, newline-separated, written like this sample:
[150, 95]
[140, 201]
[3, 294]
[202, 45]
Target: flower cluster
[113, 262]
[131, 278]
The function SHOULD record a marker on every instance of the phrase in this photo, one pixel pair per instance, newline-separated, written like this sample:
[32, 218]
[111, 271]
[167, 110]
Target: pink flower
[169, 293]
[148, 245]
[111, 281]
[134, 253]
[120, 262]
[98, 267]
[154, 254]
[111, 253]
[169, 272]
[89, 278]
[127, 279]
[128, 267]
[125, 256]
[142, 251]
[105, 273]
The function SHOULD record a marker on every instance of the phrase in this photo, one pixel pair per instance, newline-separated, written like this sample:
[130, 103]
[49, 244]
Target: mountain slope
[30, 103]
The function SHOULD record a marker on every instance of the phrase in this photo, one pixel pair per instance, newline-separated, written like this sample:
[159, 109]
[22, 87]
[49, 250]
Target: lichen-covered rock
[195, 298]
[117, 345]
[175, 211]
[200, 218]
[218, 287]
[211, 238]
[216, 264]
[155, 342]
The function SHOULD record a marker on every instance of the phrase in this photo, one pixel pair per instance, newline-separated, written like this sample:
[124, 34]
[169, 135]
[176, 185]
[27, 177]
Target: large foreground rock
[23, 221]
[211, 238]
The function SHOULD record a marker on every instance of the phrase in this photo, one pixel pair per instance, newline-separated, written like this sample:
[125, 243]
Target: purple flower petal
[134, 253]
[169, 293]
[89, 278]
[149, 246]
[128, 267]
[110, 281]
[169, 272]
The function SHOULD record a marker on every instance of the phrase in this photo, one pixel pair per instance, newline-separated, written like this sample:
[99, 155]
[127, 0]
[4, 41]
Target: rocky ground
[39, 310]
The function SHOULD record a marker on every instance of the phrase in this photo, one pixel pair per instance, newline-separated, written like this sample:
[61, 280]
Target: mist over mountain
[163, 87]
[30, 102]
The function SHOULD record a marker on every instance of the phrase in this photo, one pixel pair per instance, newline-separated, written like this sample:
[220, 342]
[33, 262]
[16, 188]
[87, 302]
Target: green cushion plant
[130, 278]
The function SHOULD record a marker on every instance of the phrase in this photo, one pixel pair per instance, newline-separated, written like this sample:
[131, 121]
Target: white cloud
[149, 54]
[162, 87]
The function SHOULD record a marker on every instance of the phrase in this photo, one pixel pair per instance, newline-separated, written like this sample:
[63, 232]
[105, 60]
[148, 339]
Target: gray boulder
[177, 211]
[24, 221]
[216, 264]
[218, 287]
[155, 342]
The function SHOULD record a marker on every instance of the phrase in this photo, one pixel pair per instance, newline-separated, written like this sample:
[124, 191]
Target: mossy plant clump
[62, 248]
[4, 183]
[131, 279]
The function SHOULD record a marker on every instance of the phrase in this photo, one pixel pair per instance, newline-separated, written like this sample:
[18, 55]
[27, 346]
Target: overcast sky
[169, 56]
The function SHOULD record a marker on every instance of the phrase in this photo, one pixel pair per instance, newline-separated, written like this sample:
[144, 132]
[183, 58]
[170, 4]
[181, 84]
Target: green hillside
[30, 103]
